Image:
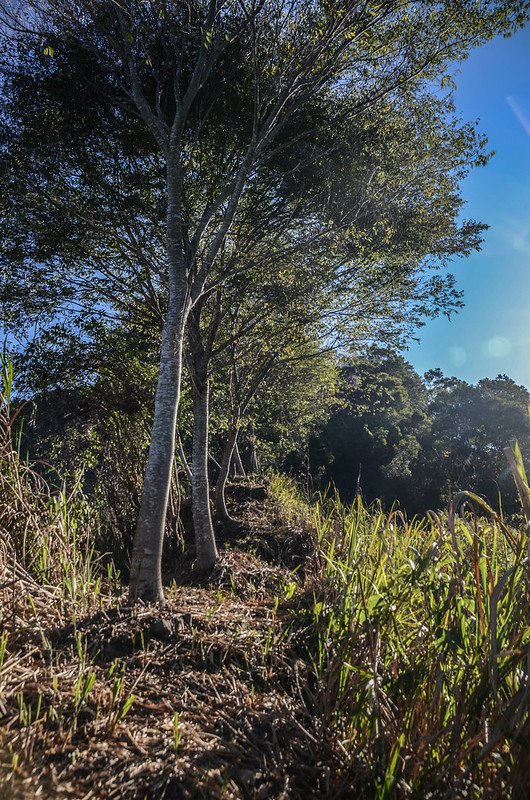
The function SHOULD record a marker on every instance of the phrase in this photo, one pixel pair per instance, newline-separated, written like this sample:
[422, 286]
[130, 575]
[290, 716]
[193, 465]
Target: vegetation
[213, 108]
[245, 550]
[398, 437]
[390, 663]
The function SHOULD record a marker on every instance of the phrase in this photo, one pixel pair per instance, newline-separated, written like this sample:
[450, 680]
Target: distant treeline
[398, 436]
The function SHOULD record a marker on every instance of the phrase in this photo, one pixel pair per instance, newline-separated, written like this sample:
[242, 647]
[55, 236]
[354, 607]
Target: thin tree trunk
[146, 573]
[214, 461]
[254, 465]
[182, 455]
[206, 549]
[220, 486]
[237, 464]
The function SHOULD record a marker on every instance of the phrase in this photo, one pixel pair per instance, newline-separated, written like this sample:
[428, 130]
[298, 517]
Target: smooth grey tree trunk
[205, 547]
[237, 464]
[220, 486]
[146, 573]
[145, 581]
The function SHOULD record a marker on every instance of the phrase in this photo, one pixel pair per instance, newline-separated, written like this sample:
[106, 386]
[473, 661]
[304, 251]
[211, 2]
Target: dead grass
[220, 702]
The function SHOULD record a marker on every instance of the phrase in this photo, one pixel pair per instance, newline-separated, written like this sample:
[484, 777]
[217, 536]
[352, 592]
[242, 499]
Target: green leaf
[127, 705]
[515, 460]
[49, 51]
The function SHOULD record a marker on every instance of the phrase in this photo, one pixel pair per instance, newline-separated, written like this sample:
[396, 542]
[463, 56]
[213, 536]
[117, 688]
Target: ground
[209, 697]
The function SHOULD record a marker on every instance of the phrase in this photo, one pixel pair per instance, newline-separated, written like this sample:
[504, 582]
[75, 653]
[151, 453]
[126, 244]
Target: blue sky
[491, 335]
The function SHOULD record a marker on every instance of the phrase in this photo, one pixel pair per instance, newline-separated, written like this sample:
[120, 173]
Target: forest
[246, 550]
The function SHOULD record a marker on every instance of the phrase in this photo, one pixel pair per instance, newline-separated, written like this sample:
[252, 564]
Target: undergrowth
[47, 533]
[392, 663]
[420, 641]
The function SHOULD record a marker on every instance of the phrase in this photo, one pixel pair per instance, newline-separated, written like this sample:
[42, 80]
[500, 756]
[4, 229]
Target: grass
[391, 663]
[421, 645]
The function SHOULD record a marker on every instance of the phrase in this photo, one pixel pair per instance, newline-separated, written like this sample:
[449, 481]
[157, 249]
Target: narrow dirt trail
[209, 697]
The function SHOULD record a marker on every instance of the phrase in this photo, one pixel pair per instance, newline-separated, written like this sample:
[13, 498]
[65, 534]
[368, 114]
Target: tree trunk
[145, 581]
[237, 464]
[254, 465]
[220, 499]
[146, 573]
[183, 460]
[205, 546]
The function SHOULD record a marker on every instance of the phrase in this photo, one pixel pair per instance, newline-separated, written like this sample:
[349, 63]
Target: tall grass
[419, 637]
[46, 534]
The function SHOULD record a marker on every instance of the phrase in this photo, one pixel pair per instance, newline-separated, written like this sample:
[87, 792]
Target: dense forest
[246, 551]
[397, 437]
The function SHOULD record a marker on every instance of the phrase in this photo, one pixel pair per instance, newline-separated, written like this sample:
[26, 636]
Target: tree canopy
[420, 441]
[216, 139]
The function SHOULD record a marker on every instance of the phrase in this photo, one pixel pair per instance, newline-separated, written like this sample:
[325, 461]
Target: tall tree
[181, 67]
[372, 444]
[471, 426]
[350, 246]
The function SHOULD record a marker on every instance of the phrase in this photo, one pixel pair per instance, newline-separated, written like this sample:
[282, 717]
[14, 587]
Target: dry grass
[212, 703]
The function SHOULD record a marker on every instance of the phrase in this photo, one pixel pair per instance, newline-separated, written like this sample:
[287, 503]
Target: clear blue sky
[491, 335]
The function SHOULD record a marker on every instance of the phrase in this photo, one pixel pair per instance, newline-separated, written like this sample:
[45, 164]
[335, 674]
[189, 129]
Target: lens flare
[519, 113]
[497, 347]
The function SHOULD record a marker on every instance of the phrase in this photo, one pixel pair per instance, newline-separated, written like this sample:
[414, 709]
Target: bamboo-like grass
[420, 645]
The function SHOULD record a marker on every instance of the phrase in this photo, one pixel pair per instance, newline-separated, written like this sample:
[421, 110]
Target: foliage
[47, 535]
[471, 426]
[419, 644]
[296, 400]
[91, 399]
[421, 441]
[372, 444]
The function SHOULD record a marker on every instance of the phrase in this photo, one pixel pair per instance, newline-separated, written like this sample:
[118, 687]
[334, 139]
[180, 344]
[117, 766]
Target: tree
[357, 268]
[172, 62]
[294, 402]
[91, 393]
[273, 353]
[420, 442]
[372, 444]
[471, 425]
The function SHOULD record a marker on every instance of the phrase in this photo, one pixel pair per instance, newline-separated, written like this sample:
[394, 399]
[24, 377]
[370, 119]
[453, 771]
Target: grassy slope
[392, 663]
